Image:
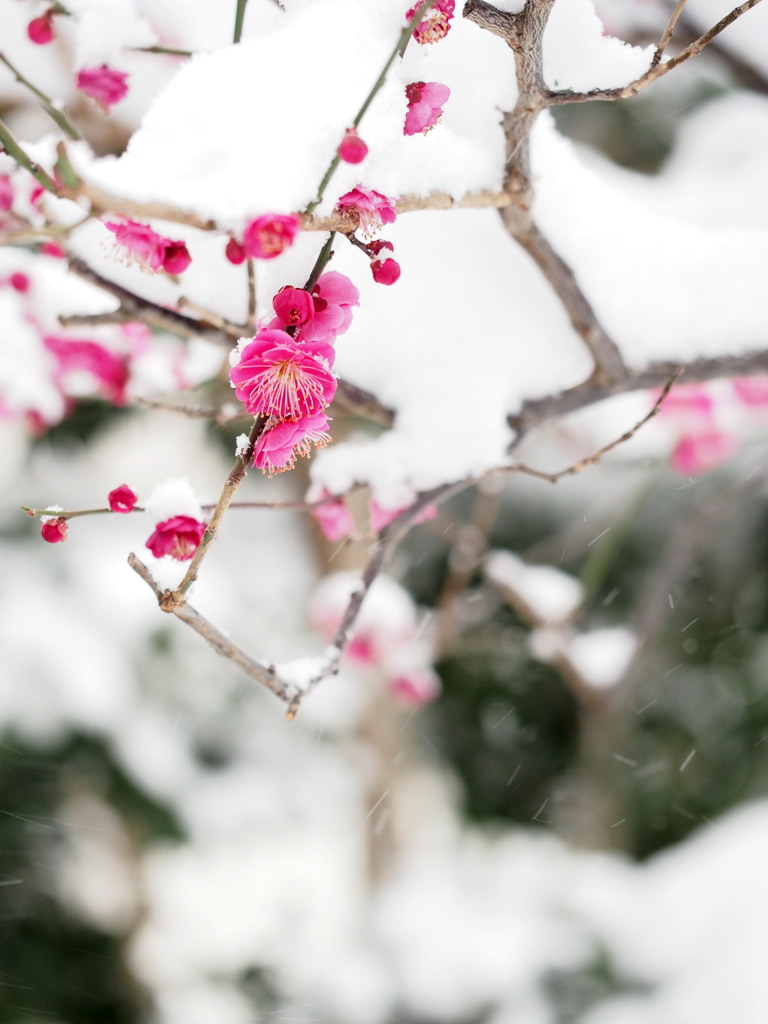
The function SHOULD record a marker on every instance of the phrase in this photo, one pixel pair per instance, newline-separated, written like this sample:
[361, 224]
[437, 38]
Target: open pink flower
[352, 149]
[279, 376]
[278, 447]
[122, 499]
[435, 23]
[40, 30]
[267, 236]
[371, 208]
[104, 84]
[425, 106]
[415, 687]
[293, 306]
[178, 537]
[333, 296]
[334, 518]
[73, 356]
[152, 251]
[54, 530]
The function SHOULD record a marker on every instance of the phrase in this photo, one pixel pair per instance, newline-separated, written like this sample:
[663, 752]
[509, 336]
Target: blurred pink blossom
[267, 236]
[104, 84]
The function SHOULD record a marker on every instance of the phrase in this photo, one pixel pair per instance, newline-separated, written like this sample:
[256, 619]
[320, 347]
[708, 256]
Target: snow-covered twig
[656, 70]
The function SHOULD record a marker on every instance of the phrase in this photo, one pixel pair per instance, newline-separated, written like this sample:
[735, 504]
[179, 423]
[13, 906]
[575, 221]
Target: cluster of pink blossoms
[286, 372]
[177, 537]
[149, 249]
[702, 442]
[387, 639]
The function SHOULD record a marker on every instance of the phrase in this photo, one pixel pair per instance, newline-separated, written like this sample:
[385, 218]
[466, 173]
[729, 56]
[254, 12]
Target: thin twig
[666, 35]
[595, 457]
[655, 71]
[56, 115]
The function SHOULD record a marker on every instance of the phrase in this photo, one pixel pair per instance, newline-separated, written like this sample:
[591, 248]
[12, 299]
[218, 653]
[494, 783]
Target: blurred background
[575, 829]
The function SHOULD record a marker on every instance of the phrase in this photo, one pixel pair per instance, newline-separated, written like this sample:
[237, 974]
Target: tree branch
[656, 70]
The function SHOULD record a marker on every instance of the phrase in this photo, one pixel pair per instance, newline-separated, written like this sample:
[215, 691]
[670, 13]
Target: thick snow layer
[663, 289]
[601, 657]
[551, 595]
[211, 143]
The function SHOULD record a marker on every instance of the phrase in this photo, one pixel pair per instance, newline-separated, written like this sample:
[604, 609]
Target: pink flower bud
[19, 282]
[54, 530]
[52, 249]
[176, 258]
[385, 271]
[352, 149]
[178, 537]
[293, 306]
[267, 236]
[122, 499]
[40, 30]
[234, 252]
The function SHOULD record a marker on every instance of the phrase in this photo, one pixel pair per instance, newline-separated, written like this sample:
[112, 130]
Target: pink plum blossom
[278, 447]
[371, 208]
[72, 355]
[333, 296]
[699, 452]
[690, 401]
[178, 537]
[380, 517]
[333, 518]
[150, 250]
[122, 499]
[267, 236]
[40, 30]
[425, 106]
[435, 23]
[104, 84]
[54, 530]
[6, 193]
[751, 391]
[385, 271]
[415, 687]
[293, 306]
[352, 149]
[279, 376]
